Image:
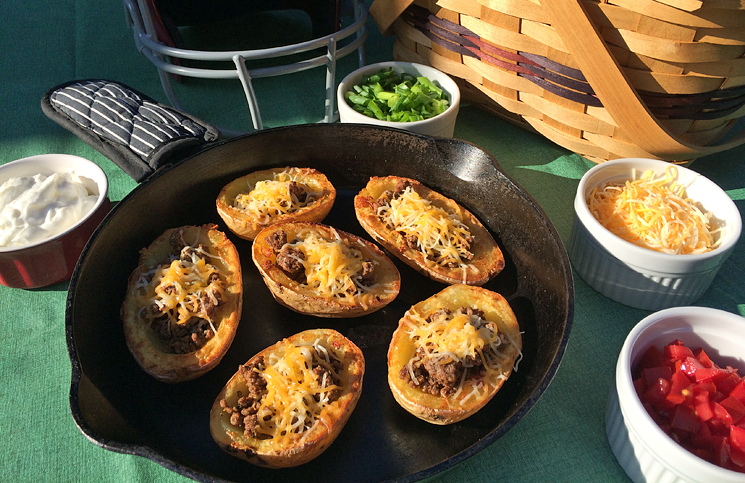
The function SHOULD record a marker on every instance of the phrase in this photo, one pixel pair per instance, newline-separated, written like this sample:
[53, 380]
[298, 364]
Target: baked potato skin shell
[260, 452]
[302, 299]
[488, 260]
[248, 226]
[439, 409]
[143, 344]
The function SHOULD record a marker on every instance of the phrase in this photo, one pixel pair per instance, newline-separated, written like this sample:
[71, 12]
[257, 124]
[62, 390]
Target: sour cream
[35, 208]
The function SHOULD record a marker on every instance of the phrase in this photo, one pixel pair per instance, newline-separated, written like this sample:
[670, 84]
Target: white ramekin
[640, 277]
[442, 125]
[642, 449]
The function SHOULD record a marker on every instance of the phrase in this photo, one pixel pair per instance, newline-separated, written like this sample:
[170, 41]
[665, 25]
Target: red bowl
[53, 260]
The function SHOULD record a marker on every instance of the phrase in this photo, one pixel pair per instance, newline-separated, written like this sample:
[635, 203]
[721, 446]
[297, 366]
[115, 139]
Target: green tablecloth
[47, 43]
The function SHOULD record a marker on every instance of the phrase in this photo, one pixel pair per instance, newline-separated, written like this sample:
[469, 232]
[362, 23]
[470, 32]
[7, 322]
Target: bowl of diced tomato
[677, 411]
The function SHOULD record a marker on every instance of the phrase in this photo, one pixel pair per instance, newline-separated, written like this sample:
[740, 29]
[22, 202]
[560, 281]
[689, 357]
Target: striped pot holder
[137, 133]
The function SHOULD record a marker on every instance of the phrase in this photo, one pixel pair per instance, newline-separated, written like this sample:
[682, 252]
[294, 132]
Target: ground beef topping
[276, 240]
[183, 296]
[439, 373]
[291, 259]
[244, 413]
[298, 192]
[278, 196]
[259, 420]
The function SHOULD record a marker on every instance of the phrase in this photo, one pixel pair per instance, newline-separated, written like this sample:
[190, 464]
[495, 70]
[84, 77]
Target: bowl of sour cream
[50, 205]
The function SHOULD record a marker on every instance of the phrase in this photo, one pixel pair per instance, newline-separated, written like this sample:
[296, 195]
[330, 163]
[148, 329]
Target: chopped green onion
[373, 106]
[397, 97]
[385, 95]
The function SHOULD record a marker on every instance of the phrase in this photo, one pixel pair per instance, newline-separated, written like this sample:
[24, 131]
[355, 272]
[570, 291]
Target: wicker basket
[623, 78]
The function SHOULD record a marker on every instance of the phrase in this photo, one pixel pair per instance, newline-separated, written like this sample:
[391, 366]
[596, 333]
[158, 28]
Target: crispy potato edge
[295, 453]
[175, 368]
[439, 409]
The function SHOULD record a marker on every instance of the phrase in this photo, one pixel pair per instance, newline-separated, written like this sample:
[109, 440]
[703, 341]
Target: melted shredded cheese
[333, 268]
[289, 407]
[655, 213]
[271, 198]
[177, 287]
[441, 236]
[457, 337]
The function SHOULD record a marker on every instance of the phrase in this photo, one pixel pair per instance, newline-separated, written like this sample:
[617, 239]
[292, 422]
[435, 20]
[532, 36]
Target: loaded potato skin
[252, 202]
[452, 352]
[183, 303]
[326, 383]
[428, 231]
[318, 270]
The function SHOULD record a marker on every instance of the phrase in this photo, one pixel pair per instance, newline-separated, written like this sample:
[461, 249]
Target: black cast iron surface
[119, 407]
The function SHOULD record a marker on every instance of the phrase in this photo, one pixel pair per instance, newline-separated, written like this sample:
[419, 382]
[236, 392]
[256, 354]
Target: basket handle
[385, 12]
[570, 20]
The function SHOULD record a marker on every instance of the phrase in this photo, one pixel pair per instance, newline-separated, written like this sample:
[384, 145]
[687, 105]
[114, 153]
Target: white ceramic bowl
[644, 451]
[442, 125]
[641, 277]
[53, 260]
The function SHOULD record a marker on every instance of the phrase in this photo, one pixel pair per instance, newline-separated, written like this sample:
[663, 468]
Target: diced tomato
[685, 419]
[717, 426]
[650, 410]
[690, 365]
[737, 445]
[656, 417]
[701, 397]
[679, 389]
[705, 454]
[698, 404]
[703, 357]
[707, 374]
[704, 387]
[722, 454]
[718, 438]
[734, 407]
[728, 382]
[703, 438]
[677, 351]
[738, 458]
[737, 437]
[704, 409]
[718, 396]
[652, 374]
[657, 391]
[722, 414]
[739, 391]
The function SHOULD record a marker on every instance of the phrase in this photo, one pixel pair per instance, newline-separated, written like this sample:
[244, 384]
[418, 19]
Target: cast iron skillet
[120, 408]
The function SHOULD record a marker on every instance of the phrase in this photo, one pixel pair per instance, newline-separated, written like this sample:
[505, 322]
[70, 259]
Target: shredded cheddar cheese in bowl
[655, 212]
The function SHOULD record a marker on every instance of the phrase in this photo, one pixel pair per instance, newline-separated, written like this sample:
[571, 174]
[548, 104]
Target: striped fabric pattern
[119, 115]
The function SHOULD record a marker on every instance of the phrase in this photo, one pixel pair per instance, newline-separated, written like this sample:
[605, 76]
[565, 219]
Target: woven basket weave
[623, 78]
